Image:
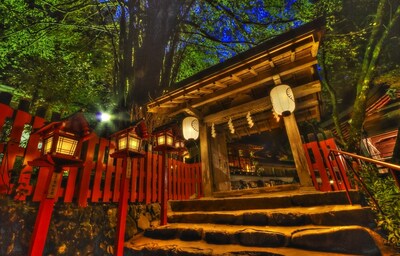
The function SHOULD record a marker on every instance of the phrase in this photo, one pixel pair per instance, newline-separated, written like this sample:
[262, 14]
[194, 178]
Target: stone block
[288, 219]
[256, 219]
[262, 238]
[164, 233]
[350, 239]
[191, 234]
[219, 237]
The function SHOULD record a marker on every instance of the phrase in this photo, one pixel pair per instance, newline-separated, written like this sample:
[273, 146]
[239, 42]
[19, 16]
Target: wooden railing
[99, 178]
[326, 174]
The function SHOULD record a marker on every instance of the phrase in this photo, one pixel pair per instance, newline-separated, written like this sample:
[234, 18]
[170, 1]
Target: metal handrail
[392, 167]
[367, 159]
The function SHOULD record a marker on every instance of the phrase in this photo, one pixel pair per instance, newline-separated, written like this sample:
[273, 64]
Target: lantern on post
[164, 142]
[128, 144]
[190, 128]
[179, 144]
[283, 103]
[164, 139]
[62, 142]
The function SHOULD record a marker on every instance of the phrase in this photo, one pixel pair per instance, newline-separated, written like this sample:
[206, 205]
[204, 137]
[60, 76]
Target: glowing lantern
[62, 140]
[179, 143]
[164, 139]
[190, 128]
[282, 99]
[128, 143]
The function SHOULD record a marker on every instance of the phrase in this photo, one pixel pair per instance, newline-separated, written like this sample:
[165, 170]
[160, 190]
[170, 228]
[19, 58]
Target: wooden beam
[277, 79]
[262, 104]
[254, 82]
[266, 56]
[252, 71]
[236, 78]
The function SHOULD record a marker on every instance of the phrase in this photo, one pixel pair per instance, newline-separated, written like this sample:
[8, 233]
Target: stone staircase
[290, 221]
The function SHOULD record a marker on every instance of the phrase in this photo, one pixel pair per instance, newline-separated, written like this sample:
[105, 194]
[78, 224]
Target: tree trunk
[370, 59]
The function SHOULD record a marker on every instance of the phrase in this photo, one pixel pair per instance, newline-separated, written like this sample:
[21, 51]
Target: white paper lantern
[282, 99]
[190, 128]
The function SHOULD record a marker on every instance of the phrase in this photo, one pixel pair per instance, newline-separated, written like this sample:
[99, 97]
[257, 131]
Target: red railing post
[42, 223]
[164, 190]
[123, 205]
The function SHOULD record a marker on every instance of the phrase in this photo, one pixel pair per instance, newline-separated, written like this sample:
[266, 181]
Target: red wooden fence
[327, 174]
[99, 178]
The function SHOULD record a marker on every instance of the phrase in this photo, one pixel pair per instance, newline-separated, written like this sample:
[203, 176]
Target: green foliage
[55, 54]
[218, 30]
[387, 195]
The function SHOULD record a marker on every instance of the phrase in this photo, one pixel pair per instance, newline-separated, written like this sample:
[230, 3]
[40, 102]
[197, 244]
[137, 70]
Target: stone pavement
[284, 220]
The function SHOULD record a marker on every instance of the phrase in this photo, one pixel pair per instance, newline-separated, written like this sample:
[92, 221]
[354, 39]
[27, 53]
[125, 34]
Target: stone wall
[73, 230]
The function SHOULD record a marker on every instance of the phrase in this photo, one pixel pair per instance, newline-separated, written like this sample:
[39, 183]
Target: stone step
[337, 239]
[283, 199]
[329, 215]
[144, 246]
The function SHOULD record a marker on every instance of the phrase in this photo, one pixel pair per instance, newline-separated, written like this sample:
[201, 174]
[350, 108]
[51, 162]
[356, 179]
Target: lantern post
[61, 147]
[283, 103]
[128, 145]
[165, 142]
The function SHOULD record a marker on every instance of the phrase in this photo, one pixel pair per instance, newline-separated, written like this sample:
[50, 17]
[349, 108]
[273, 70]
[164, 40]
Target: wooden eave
[242, 84]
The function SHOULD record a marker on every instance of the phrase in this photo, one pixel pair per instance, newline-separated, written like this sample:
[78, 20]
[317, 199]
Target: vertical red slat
[176, 174]
[336, 185]
[184, 185]
[141, 180]
[134, 178]
[99, 170]
[117, 179]
[70, 188]
[154, 179]
[85, 176]
[13, 149]
[191, 180]
[170, 181]
[318, 165]
[159, 177]
[107, 193]
[32, 152]
[200, 187]
[148, 176]
[330, 143]
[187, 182]
[180, 180]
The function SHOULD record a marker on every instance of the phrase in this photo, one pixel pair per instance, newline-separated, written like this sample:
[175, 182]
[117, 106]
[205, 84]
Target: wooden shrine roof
[242, 84]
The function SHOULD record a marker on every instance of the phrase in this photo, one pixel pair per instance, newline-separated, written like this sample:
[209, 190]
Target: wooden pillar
[164, 189]
[123, 205]
[296, 146]
[207, 178]
[220, 163]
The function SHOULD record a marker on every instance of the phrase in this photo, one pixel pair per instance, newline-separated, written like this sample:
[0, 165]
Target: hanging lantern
[282, 99]
[164, 139]
[190, 128]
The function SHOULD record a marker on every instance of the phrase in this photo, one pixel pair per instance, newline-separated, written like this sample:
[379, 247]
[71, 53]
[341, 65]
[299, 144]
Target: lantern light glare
[104, 117]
